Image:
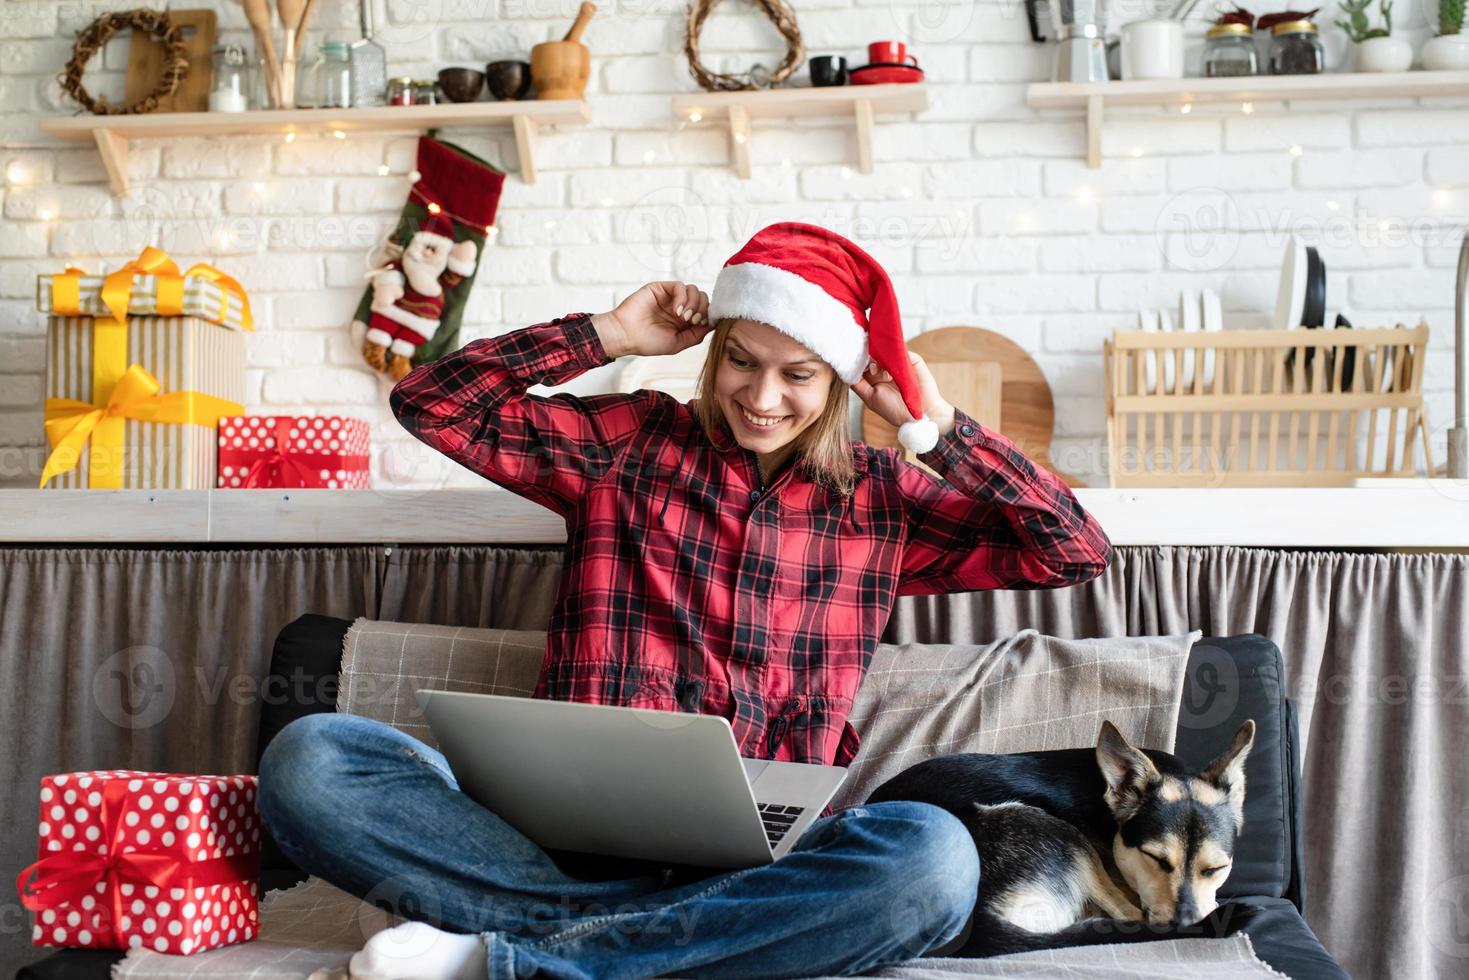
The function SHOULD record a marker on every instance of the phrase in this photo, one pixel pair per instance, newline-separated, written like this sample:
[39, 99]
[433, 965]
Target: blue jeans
[377, 813]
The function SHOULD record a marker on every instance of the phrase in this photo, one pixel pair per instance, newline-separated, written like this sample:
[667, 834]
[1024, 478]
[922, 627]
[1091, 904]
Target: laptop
[664, 786]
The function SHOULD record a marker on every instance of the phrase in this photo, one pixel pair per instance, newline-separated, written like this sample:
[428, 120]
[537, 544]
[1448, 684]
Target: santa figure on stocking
[408, 294]
[411, 309]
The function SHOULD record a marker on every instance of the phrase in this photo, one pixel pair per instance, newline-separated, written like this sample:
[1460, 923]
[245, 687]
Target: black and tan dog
[1080, 847]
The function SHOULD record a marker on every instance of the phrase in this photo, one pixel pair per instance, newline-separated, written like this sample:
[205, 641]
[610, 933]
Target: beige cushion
[1020, 693]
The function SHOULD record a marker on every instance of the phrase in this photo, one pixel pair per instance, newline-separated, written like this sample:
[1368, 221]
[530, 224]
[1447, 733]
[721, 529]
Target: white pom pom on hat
[822, 290]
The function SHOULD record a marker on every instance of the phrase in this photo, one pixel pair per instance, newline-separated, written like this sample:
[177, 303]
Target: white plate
[1165, 324]
[1213, 316]
[1290, 297]
[1148, 320]
[1190, 318]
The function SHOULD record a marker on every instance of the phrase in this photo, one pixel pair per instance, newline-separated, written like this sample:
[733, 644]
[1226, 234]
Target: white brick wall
[982, 210]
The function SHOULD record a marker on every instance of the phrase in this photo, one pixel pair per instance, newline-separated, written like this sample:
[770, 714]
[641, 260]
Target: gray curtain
[152, 659]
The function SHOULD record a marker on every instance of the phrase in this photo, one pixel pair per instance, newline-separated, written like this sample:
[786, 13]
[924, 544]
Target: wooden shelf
[113, 133]
[1095, 96]
[862, 102]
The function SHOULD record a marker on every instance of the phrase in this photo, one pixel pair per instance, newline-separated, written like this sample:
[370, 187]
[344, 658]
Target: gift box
[156, 288]
[140, 365]
[135, 859]
[271, 451]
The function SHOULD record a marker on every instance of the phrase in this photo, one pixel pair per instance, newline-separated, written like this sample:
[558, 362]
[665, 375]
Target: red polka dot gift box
[129, 859]
[293, 451]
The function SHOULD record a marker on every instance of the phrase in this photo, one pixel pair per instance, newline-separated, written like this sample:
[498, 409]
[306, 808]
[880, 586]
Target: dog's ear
[1228, 771]
[1130, 774]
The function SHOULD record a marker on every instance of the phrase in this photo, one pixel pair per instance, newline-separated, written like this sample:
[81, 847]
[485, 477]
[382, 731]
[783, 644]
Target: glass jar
[333, 75]
[425, 92]
[1229, 50]
[1295, 49]
[369, 62]
[231, 91]
[400, 91]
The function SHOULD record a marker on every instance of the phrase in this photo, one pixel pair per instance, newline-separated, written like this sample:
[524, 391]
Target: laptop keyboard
[778, 819]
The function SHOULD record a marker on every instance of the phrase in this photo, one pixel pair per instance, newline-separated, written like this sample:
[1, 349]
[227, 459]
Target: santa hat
[817, 287]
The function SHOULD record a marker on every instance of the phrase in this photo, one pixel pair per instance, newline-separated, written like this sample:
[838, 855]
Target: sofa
[307, 658]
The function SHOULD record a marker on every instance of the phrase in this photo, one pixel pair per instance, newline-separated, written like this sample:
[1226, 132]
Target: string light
[695, 116]
[1296, 150]
[339, 134]
[433, 208]
[290, 137]
[1186, 108]
[384, 170]
[46, 214]
[1247, 107]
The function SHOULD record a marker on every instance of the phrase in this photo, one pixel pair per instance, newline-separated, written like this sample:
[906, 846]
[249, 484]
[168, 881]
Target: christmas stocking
[410, 314]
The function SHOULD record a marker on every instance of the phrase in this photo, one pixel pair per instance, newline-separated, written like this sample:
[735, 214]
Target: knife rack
[1265, 408]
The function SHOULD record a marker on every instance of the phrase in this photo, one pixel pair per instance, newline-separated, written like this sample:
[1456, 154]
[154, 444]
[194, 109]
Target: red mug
[889, 53]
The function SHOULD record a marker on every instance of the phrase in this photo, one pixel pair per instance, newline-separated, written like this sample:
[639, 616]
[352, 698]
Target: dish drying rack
[1265, 408]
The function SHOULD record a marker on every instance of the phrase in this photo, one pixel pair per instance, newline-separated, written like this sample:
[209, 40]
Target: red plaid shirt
[689, 585]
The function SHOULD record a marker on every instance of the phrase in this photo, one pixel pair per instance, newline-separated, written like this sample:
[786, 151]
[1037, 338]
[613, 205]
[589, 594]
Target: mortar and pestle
[560, 68]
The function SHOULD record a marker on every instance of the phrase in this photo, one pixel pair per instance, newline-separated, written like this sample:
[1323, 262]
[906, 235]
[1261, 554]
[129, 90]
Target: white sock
[418, 951]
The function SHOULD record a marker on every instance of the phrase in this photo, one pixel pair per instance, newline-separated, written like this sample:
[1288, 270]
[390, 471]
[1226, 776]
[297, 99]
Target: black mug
[828, 69]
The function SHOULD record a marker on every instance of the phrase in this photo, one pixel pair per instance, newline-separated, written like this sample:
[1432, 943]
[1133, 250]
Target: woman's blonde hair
[824, 448]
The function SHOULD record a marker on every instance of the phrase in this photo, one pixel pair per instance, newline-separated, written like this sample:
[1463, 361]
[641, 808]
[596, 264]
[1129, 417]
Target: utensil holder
[1273, 412]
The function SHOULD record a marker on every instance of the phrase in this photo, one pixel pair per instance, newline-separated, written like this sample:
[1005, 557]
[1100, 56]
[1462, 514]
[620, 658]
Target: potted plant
[1450, 48]
[1377, 49]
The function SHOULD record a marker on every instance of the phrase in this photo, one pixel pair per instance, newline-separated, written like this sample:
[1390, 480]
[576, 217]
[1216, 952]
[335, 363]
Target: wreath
[784, 19]
[90, 40]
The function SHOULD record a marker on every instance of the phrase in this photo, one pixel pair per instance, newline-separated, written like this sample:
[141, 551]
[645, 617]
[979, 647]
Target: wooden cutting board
[145, 63]
[965, 362]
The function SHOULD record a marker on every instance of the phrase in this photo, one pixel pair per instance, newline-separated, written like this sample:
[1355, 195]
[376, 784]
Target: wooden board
[955, 356]
[145, 63]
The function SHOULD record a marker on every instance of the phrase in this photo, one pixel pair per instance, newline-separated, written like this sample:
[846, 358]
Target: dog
[1080, 847]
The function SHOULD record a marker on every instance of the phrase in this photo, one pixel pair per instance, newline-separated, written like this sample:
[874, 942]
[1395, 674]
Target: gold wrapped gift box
[134, 401]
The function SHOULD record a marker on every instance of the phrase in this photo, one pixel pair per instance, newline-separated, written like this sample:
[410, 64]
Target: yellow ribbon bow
[70, 423]
[117, 288]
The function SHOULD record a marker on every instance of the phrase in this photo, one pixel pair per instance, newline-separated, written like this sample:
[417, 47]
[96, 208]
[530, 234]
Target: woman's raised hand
[660, 318]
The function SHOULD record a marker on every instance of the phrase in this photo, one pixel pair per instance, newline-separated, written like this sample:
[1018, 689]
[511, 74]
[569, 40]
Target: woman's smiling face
[767, 374]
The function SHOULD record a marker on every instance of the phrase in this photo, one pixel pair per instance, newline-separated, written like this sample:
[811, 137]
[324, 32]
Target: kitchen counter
[1417, 514]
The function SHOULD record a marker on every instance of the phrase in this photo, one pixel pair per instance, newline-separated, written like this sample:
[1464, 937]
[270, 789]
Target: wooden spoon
[257, 12]
[305, 21]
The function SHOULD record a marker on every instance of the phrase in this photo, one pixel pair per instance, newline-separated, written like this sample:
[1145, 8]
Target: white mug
[1152, 49]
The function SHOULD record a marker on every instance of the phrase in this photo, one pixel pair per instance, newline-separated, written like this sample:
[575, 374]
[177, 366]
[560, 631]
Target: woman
[733, 554]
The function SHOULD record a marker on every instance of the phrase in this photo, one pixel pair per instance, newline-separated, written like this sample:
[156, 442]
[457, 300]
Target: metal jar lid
[1294, 27]
[1229, 30]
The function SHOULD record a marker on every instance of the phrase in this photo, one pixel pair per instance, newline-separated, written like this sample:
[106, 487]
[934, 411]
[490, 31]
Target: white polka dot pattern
[315, 442]
[208, 817]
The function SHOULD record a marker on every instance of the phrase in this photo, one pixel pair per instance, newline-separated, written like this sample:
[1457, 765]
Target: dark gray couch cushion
[1230, 679]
